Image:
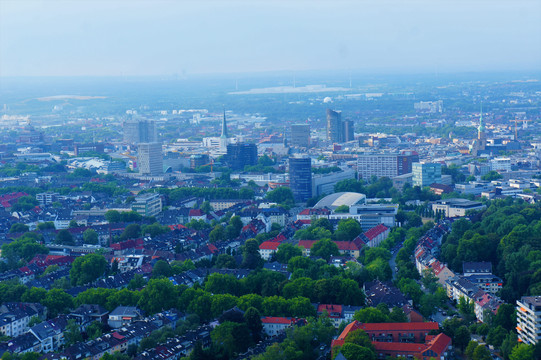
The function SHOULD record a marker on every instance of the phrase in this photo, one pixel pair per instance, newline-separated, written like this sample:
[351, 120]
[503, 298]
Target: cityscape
[315, 213]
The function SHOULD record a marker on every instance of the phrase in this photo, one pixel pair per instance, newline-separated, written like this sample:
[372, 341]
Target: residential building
[348, 133]
[273, 326]
[124, 315]
[150, 158]
[389, 165]
[425, 174]
[267, 248]
[300, 135]
[149, 204]
[47, 198]
[529, 319]
[300, 177]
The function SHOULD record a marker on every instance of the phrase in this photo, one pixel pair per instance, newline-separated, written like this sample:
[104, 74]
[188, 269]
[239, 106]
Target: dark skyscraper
[300, 135]
[334, 126]
[241, 154]
[300, 177]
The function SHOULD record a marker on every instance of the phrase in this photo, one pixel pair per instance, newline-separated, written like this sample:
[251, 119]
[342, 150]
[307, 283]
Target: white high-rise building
[529, 319]
[150, 158]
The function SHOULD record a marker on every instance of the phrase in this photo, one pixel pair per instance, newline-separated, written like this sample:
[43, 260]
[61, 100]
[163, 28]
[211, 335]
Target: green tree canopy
[88, 268]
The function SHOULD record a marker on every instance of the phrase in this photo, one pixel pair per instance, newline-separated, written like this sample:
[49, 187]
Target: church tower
[481, 134]
[223, 137]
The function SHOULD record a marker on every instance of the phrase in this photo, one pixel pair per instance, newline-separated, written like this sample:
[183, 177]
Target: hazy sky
[130, 37]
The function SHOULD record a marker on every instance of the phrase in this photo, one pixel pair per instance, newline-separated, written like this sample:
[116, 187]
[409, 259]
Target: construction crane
[211, 163]
[524, 126]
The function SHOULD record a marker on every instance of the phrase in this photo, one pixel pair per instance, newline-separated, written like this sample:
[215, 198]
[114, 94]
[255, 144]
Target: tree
[57, 302]
[491, 175]
[48, 225]
[359, 337]
[231, 337]
[158, 295]
[90, 236]
[24, 247]
[462, 337]
[496, 336]
[94, 330]
[286, 252]
[161, 269]
[522, 352]
[131, 231]
[34, 295]
[347, 230]
[398, 315]
[25, 203]
[88, 268]
[112, 216]
[217, 234]
[251, 258]
[481, 353]
[356, 352]
[370, 315]
[64, 237]
[73, 224]
[72, 334]
[206, 207]
[472, 345]
[224, 261]
[18, 228]
[281, 195]
[325, 249]
[506, 317]
[253, 321]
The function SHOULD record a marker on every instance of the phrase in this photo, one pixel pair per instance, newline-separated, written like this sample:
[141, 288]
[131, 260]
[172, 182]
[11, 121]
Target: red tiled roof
[440, 343]
[177, 226]
[346, 245]
[329, 308]
[276, 320]
[375, 231]
[196, 212]
[307, 244]
[426, 326]
[269, 245]
[398, 346]
[212, 248]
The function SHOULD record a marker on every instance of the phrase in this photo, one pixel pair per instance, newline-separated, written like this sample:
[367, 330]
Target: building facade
[150, 158]
[241, 154]
[389, 165]
[140, 131]
[529, 319]
[148, 204]
[334, 126]
[425, 174]
[300, 135]
[300, 178]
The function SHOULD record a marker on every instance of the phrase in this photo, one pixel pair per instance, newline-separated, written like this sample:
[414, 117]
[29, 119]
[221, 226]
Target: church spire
[481, 123]
[224, 126]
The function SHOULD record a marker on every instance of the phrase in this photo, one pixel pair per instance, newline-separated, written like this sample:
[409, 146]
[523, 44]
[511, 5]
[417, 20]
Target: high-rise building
[529, 319]
[348, 133]
[425, 174]
[223, 137]
[241, 154]
[140, 131]
[334, 126]
[150, 158]
[300, 135]
[388, 165]
[300, 177]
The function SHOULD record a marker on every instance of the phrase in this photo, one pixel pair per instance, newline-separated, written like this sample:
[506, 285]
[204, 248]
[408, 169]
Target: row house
[15, 317]
[337, 313]
[273, 325]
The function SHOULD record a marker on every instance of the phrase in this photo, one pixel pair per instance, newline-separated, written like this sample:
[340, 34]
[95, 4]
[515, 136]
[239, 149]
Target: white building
[529, 319]
[150, 158]
[456, 207]
[500, 164]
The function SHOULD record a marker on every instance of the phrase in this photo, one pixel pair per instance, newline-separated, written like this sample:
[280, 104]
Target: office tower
[425, 174]
[300, 177]
[334, 126]
[529, 319]
[241, 154]
[223, 137]
[348, 133]
[150, 158]
[300, 135]
[139, 131]
[149, 204]
[388, 165]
